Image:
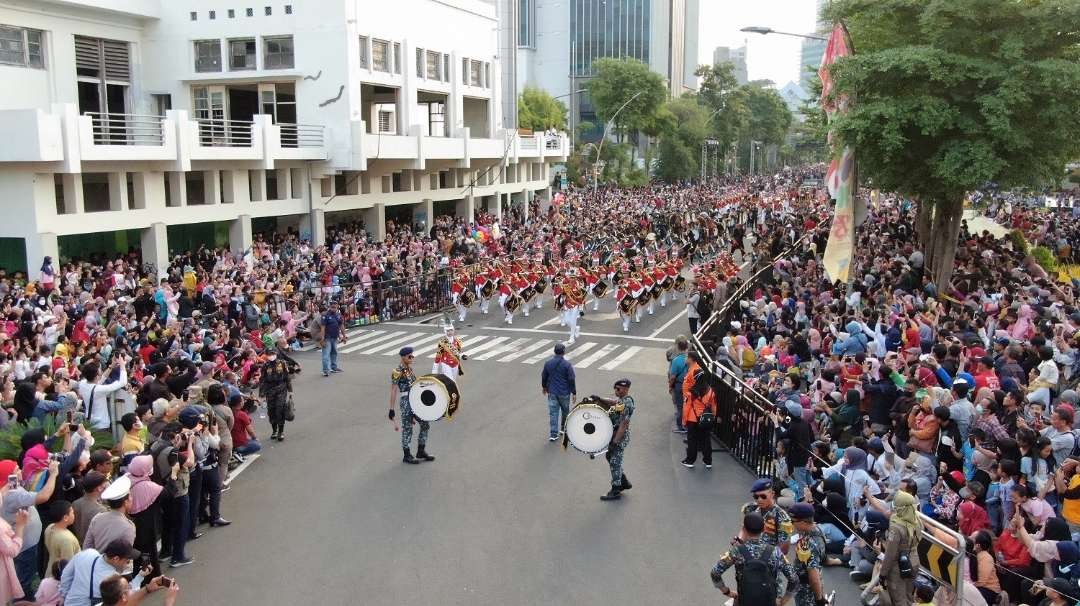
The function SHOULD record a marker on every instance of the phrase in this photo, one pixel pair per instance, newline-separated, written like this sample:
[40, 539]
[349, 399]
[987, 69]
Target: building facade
[736, 57]
[165, 125]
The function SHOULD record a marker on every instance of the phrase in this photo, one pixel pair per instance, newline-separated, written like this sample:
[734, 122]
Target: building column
[149, 189]
[545, 199]
[313, 227]
[466, 207]
[526, 197]
[212, 187]
[240, 234]
[177, 189]
[424, 212]
[257, 184]
[73, 195]
[39, 246]
[118, 191]
[375, 222]
[155, 248]
[236, 187]
[499, 205]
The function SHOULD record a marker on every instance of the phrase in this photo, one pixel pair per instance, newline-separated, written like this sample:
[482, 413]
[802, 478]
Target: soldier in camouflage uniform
[401, 380]
[751, 543]
[809, 556]
[778, 526]
[620, 410]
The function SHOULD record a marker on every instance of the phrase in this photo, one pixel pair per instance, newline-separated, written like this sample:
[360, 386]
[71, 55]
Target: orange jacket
[693, 408]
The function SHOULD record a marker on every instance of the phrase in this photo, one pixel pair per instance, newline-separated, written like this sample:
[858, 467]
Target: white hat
[117, 490]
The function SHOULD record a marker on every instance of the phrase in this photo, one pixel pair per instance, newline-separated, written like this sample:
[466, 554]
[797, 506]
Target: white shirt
[77, 582]
[99, 406]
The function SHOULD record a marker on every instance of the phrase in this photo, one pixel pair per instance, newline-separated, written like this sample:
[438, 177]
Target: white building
[167, 124]
[736, 57]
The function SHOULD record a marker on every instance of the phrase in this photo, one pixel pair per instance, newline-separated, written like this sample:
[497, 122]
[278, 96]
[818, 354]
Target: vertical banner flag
[841, 176]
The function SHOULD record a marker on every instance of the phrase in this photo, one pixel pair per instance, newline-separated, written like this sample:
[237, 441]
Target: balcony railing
[301, 135]
[527, 143]
[127, 129]
[225, 133]
[553, 143]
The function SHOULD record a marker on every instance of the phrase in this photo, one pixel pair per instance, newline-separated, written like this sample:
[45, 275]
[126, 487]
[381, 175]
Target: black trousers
[693, 325]
[698, 440]
[195, 491]
[210, 503]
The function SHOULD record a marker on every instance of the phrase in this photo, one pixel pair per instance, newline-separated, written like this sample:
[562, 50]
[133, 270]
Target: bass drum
[433, 397]
[589, 428]
[513, 302]
[600, 289]
[466, 298]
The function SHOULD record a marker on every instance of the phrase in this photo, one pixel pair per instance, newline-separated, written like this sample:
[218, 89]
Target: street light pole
[607, 126]
[757, 29]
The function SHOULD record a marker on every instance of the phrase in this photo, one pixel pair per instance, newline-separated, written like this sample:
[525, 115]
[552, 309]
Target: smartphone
[70, 415]
[13, 481]
[73, 427]
[166, 582]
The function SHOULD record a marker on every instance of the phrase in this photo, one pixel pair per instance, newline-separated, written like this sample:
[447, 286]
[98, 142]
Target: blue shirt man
[676, 373]
[558, 383]
[331, 323]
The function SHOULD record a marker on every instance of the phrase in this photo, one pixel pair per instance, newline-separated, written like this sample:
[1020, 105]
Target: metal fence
[393, 299]
[301, 135]
[127, 129]
[225, 133]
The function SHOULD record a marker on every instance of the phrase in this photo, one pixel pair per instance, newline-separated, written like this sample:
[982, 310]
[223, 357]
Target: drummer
[401, 380]
[621, 408]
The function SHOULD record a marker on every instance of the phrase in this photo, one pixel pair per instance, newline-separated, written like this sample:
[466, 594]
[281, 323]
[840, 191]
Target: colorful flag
[841, 176]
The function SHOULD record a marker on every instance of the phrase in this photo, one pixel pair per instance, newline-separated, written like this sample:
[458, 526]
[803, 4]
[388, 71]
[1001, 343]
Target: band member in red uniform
[660, 277]
[636, 288]
[484, 289]
[626, 304]
[458, 288]
[505, 292]
[518, 284]
[647, 282]
[449, 354]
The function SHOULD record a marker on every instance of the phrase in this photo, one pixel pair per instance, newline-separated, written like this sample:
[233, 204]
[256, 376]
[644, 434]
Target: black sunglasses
[761, 496]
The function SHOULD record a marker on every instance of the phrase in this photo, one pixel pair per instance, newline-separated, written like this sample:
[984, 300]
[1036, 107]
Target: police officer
[778, 526]
[751, 547]
[620, 409]
[809, 555]
[276, 388]
[401, 380]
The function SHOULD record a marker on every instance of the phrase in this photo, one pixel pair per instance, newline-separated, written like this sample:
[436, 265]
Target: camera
[57, 456]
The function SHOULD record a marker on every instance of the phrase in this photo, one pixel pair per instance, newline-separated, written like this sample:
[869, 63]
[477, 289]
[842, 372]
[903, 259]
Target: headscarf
[36, 459]
[854, 458]
[974, 518]
[143, 490]
[904, 514]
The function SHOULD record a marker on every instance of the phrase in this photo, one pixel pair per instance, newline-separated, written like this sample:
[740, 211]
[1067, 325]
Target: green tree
[680, 144]
[616, 83]
[950, 94]
[809, 136]
[769, 116]
[537, 110]
[719, 92]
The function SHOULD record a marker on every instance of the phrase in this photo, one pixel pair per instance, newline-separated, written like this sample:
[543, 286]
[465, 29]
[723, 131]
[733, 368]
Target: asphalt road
[332, 515]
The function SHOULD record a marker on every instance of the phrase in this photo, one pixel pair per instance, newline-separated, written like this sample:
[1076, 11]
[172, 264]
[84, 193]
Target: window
[288, 9]
[241, 54]
[364, 52]
[21, 46]
[446, 68]
[194, 15]
[474, 73]
[397, 57]
[208, 55]
[487, 75]
[232, 14]
[250, 12]
[526, 23]
[419, 63]
[434, 63]
[380, 55]
[213, 15]
[464, 71]
[103, 74]
[278, 52]
[268, 11]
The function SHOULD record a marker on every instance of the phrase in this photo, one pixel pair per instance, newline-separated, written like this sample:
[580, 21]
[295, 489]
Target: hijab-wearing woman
[905, 532]
[145, 510]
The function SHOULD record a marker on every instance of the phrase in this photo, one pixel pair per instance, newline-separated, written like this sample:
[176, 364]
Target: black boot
[422, 455]
[626, 485]
[281, 433]
[408, 458]
[273, 436]
[613, 495]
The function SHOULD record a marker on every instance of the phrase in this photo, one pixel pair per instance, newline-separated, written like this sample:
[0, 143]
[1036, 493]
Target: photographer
[174, 457]
[95, 393]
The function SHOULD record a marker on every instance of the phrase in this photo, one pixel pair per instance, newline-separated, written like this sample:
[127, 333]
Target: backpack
[757, 583]
[251, 316]
[704, 305]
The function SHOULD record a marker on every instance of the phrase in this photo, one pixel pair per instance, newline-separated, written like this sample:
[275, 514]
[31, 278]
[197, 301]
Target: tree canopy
[616, 83]
[950, 94]
[680, 146]
[537, 110]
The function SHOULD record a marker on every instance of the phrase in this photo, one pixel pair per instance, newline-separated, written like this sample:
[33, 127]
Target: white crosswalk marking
[524, 350]
[624, 356]
[596, 356]
[418, 345]
[512, 345]
[580, 349]
[393, 344]
[366, 341]
[543, 355]
[485, 346]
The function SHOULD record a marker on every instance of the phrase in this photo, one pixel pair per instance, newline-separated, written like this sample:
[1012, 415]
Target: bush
[1045, 258]
[1019, 242]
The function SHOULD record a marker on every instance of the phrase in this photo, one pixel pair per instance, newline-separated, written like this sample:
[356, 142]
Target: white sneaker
[570, 342]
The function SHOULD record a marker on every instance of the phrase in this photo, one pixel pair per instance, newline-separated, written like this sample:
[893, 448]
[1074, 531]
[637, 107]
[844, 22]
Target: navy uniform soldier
[758, 567]
[809, 556]
[401, 380]
[620, 409]
[778, 526]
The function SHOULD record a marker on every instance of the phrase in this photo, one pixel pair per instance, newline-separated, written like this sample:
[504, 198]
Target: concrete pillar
[313, 227]
[240, 234]
[499, 205]
[375, 222]
[117, 191]
[155, 247]
[177, 189]
[545, 199]
[257, 183]
[212, 187]
[235, 187]
[424, 212]
[39, 246]
[282, 184]
[149, 189]
[73, 195]
[466, 207]
[526, 197]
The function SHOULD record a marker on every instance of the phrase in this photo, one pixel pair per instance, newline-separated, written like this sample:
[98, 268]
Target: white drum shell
[589, 428]
[430, 397]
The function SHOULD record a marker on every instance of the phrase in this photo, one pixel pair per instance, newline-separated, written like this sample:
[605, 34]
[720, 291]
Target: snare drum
[433, 397]
[589, 428]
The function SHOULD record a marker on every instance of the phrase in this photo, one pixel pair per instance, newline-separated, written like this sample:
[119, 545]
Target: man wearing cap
[620, 409]
[80, 583]
[778, 526]
[752, 545]
[88, 506]
[961, 410]
[401, 380]
[114, 524]
[809, 555]
[558, 383]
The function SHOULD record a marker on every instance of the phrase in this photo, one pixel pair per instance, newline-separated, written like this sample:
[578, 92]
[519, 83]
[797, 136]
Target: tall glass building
[608, 28]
